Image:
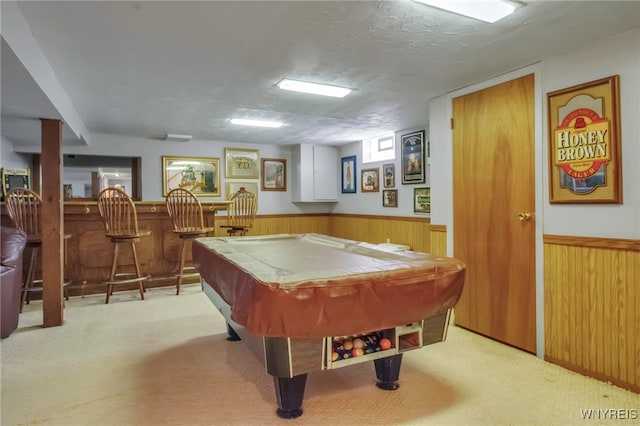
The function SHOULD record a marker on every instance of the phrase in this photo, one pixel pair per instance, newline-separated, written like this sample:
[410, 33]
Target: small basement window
[382, 148]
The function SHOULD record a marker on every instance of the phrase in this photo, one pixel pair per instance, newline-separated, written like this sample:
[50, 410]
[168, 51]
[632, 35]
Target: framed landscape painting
[274, 174]
[200, 175]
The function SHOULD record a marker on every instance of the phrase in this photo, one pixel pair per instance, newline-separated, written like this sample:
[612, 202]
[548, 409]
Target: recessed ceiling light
[483, 10]
[313, 88]
[256, 123]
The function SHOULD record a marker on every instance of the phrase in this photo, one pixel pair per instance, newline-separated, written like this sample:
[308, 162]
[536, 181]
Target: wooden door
[493, 191]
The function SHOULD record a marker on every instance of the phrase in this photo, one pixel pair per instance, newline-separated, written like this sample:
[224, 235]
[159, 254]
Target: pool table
[305, 302]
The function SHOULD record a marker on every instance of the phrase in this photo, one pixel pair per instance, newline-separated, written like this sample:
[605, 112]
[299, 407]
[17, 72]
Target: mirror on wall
[84, 176]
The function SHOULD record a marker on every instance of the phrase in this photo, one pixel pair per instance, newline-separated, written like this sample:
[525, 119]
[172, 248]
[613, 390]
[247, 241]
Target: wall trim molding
[593, 242]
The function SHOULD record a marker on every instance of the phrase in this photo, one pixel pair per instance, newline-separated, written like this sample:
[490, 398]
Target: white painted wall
[151, 152]
[616, 55]
[371, 202]
[12, 160]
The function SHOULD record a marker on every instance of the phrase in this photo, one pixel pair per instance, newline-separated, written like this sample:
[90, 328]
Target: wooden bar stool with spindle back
[120, 219]
[187, 219]
[241, 213]
[25, 210]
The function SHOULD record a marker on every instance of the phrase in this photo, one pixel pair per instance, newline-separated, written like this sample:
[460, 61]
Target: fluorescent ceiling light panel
[256, 123]
[483, 10]
[177, 137]
[313, 88]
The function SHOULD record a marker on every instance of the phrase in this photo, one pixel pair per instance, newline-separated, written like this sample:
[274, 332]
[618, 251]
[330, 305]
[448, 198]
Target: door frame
[441, 137]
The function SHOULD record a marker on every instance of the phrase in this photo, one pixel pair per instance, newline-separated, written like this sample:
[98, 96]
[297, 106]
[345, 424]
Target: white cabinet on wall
[315, 173]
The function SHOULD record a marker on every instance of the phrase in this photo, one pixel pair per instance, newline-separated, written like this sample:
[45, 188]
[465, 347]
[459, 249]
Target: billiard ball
[385, 344]
[358, 343]
[357, 352]
[348, 345]
[334, 356]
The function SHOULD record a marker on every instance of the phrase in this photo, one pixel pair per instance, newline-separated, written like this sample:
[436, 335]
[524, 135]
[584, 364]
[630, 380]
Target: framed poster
[422, 200]
[349, 175]
[241, 163]
[234, 186]
[370, 180]
[413, 157]
[584, 143]
[389, 175]
[200, 175]
[389, 198]
[274, 174]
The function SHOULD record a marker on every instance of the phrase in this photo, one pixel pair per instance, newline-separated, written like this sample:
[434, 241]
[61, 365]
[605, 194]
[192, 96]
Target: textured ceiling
[149, 68]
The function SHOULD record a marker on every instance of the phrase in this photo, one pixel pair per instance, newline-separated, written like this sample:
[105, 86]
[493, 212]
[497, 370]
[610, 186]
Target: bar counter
[89, 252]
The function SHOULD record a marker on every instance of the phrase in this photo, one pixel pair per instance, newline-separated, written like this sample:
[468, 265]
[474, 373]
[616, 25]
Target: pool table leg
[232, 335]
[290, 392]
[388, 372]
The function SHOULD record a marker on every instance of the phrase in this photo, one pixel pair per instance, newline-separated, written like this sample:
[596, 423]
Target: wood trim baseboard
[593, 242]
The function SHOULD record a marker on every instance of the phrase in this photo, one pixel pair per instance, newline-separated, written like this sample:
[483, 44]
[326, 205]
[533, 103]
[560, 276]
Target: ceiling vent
[175, 137]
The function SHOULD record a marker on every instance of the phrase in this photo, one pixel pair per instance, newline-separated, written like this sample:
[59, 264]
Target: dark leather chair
[12, 244]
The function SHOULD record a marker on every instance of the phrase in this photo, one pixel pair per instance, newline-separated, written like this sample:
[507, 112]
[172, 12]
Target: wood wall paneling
[592, 307]
[410, 231]
[89, 251]
[438, 240]
[591, 294]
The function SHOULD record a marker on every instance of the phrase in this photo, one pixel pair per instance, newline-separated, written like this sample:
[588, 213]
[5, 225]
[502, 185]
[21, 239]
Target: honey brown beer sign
[584, 143]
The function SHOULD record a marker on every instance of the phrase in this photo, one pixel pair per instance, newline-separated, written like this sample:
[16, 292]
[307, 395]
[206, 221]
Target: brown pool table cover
[312, 285]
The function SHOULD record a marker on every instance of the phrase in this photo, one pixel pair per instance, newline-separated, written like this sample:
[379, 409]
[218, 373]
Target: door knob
[524, 216]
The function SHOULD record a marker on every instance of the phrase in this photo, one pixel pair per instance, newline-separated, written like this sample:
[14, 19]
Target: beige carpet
[166, 361]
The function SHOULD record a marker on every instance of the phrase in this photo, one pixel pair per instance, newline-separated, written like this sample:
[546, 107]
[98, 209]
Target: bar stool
[187, 219]
[120, 219]
[25, 210]
[241, 212]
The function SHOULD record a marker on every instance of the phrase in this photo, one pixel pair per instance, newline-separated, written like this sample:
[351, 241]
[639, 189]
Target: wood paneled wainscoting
[410, 231]
[89, 251]
[592, 307]
[438, 239]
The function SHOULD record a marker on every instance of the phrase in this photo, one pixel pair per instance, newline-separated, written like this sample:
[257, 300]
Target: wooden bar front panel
[89, 251]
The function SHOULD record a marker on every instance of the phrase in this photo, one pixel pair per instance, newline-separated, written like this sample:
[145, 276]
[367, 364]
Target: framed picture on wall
[370, 180]
[233, 187]
[349, 175]
[585, 158]
[274, 174]
[200, 175]
[422, 200]
[389, 198]
[389, 175]
[241, 163]
[413, 159]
